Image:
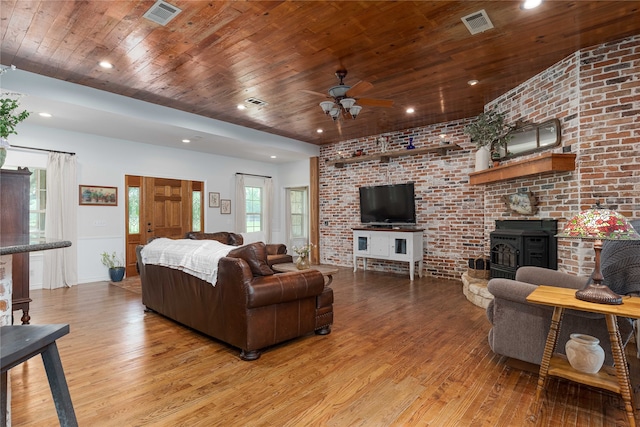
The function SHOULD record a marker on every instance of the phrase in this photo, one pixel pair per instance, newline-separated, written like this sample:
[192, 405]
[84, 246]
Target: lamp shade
[347, 103]
[599, 224]
[355, 110]
[326, 106]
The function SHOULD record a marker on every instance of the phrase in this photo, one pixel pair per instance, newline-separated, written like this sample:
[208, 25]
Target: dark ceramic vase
[116, 274]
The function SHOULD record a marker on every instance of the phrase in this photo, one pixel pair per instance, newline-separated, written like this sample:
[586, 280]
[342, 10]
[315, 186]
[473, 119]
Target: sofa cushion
[225, 237]
[620, 264]
[255, 254]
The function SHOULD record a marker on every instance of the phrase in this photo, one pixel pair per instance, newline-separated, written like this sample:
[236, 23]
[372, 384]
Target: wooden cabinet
[14, 214]
[395, 244]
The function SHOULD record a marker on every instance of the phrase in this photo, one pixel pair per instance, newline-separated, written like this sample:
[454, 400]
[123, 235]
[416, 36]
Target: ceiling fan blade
[368, 102]
[358, 88]
[310, 92]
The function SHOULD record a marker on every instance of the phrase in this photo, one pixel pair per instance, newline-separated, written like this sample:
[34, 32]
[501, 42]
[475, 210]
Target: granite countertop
[16, 244]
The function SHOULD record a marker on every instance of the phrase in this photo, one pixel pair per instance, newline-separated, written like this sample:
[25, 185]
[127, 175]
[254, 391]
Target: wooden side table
[327, 270]
[615, 379]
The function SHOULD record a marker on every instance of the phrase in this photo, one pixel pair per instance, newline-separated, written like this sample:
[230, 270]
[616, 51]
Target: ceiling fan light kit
[344, 101]
[355, 110]
[347, 103]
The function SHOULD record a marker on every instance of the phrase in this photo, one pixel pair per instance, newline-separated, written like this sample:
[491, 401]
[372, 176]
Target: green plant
[111, 260]
[9, 119]
[489, 129]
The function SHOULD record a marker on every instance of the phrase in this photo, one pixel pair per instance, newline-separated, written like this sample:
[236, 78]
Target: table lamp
[599, 224]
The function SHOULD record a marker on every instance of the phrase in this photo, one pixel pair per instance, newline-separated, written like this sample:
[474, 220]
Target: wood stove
[516, 243]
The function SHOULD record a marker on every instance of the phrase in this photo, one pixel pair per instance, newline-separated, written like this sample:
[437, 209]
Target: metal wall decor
[531, 137]
[524, 203]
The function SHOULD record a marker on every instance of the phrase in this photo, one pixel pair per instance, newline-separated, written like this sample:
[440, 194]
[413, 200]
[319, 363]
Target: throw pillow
[620, 264]
[255, 254]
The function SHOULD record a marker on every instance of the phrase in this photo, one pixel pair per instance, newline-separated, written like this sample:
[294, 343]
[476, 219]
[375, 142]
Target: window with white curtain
[37, 202]
[253, 208]
[254, 201]
[297, 216]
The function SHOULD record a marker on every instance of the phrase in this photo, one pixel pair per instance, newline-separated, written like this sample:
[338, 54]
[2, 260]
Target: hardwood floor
[400, 354]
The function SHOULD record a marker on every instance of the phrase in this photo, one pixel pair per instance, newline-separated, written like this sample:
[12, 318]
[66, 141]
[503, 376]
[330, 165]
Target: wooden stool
[21, 343]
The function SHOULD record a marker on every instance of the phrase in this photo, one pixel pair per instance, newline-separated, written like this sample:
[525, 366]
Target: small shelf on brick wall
[385, 157]
[546, 163]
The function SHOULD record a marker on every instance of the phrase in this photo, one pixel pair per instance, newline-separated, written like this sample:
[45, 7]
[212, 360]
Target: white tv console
[393, 244]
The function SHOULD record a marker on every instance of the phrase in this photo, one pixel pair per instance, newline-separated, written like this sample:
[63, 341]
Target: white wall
[105, 161]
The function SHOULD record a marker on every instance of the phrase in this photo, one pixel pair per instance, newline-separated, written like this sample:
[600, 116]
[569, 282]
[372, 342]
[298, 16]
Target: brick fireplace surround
[595, 93]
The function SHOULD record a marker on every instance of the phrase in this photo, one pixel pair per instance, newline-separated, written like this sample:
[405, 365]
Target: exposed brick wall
[595, 93]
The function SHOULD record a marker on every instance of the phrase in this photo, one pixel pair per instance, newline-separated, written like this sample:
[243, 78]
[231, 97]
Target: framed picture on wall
[214, 200]
[91, 195]
[225, 206]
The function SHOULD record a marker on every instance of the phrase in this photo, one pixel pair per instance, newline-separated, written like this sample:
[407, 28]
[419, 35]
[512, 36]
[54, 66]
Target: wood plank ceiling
[216, 54]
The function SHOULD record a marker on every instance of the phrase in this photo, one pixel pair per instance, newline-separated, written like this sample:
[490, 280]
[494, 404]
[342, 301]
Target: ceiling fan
[345, 100]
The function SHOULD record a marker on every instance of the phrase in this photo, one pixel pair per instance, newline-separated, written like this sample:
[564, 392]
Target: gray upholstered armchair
[520, 328]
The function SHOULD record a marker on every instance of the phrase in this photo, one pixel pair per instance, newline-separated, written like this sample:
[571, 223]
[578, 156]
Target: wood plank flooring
[400, 354]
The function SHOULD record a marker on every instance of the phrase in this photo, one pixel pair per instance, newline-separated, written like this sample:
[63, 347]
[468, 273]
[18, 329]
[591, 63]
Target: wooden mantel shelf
[546, 163]
[384, 157]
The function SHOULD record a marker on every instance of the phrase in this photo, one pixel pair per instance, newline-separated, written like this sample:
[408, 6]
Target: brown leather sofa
[248, 308]
[276, 252]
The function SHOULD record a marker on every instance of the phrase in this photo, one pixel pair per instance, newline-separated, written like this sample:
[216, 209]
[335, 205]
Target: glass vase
[302, 263]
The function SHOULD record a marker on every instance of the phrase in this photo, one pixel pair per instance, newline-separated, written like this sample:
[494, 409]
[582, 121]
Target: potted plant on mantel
[115, 265]
[9, 119]
[490, 134]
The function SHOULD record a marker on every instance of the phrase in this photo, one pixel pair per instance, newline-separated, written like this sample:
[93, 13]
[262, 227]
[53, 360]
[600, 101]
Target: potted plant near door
[115, 265]
[489, 132]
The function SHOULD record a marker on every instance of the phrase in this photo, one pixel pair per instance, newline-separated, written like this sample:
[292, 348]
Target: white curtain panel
[60, 266]
[268, 203]
[241, 220]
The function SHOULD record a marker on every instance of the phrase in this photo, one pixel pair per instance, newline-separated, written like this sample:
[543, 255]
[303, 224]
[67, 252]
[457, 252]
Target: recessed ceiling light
[241, 107]
[319, 131]
[186, 141]
[410, 110]
[106, 64]
[44, 114]
[531, 4]
[473, 82]
[273, 157]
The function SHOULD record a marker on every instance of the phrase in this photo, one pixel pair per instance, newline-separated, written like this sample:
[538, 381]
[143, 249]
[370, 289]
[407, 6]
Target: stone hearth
[476, 290]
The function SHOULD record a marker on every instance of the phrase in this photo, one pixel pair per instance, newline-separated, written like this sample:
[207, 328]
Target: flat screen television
[388, 204]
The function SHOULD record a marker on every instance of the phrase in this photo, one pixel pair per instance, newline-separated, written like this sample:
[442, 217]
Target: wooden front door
[164, 209]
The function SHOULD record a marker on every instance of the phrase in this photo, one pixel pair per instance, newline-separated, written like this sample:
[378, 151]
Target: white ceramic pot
[584, 353]
[483, 158]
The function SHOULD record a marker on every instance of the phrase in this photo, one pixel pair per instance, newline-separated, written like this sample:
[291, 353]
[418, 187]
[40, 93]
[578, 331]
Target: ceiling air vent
[477, 22]
[162, 12]
[256, 101]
